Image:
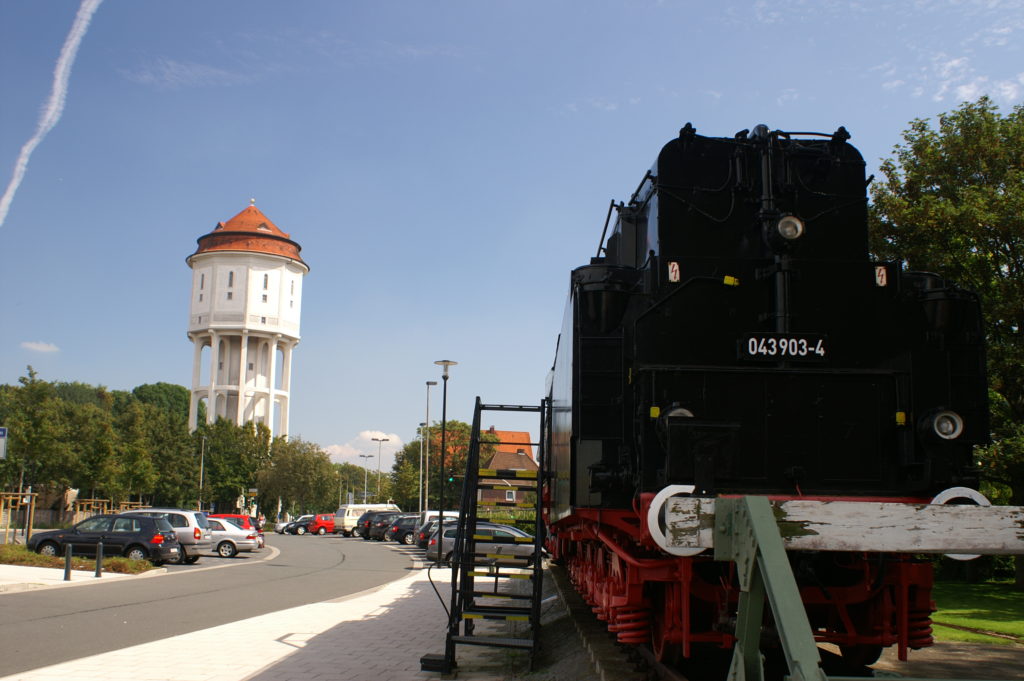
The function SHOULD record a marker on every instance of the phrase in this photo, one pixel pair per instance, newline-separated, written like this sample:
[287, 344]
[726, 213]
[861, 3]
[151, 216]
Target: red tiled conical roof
[250, 231]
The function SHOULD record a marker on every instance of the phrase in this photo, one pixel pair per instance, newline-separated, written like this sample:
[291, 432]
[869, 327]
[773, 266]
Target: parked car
[322, 523]
[379, 524]
[427, 529]
[131, 536]
[297, 526]
[511, 541]
[243, 521]
[403, 529]
[246, 522]
[229, 538]
[191, 527]
[347, 516]
[362, 528]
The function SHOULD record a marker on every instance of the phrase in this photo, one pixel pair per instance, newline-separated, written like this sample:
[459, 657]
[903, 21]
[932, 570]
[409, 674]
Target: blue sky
[444, 165]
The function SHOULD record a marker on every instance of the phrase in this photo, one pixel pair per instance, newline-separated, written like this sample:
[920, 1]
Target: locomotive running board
[747, 534]
[856, 526]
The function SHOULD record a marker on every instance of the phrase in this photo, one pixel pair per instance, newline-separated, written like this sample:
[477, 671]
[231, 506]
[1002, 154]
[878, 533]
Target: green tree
[405, 476]
[952, 202]
[92, 435]
[457, 449]
[138, 472]
[301, 475]
[37, 434]
[167, 396]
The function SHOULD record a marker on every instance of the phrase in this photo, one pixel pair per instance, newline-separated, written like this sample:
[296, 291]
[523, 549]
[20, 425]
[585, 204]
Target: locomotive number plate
[807, 347]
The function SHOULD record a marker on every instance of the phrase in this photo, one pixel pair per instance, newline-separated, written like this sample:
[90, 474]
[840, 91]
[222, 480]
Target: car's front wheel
[136, 553]
[48, 548]
[226, 550]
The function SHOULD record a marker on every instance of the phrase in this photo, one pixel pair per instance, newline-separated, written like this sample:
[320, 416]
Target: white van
[428, 516]
[346, 516]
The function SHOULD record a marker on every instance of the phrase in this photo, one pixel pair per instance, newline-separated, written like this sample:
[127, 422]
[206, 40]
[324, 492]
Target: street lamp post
[365, 471]
[419, 488]
[426, 472]
[202, 461]
[444, 364]
[380, 441]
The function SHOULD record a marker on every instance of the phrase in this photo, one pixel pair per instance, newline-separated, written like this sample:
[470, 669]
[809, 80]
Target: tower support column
[243, 353]
[211, 395]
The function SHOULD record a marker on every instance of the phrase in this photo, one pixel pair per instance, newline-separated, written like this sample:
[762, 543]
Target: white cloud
[786, 96]
[363, 444]
[171, 74]
[39, 346]
[893, 84]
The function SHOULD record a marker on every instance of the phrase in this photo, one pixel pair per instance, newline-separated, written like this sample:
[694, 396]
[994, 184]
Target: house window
[266, 280]
[200, 297]
[250, 366]
[229, 295]
[293, 287]
[510, 495]
[220, 365]
[202, 281]
[264, 297]
[263, 320]
[291, 303]
[231, 278]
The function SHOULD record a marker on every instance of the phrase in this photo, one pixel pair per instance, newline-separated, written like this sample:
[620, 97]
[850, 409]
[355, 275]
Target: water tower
[246, 303]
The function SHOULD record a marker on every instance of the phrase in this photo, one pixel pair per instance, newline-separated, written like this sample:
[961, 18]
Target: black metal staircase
[490, 581]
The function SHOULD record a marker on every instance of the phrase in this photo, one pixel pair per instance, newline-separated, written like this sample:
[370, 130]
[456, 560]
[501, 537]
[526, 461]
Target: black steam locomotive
[732, 334]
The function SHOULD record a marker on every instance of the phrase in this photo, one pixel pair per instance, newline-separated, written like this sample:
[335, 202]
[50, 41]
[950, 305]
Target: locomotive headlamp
[790, 227]
[947, 424]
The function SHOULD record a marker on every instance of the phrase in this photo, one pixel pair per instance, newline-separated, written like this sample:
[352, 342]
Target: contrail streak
[55, 105]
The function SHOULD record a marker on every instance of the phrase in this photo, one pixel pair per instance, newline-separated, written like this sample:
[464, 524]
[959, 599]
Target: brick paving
[377, 635]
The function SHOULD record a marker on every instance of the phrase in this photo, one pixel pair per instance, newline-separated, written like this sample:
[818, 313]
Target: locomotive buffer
[503, 585]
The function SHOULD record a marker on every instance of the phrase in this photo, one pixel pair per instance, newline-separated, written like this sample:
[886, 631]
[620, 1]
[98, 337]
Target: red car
[322, 523]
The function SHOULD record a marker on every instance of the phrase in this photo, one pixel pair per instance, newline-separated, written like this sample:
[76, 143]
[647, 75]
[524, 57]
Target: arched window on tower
[231, 278]
[266, 281]
[202, 281]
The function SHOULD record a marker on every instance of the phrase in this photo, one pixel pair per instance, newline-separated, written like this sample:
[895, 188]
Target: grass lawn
[16, 554]
[991, 606]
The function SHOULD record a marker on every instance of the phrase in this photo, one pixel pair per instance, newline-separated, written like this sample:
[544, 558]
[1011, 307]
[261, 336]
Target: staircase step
[507, 597]
[487, 614]
[493, 641]
[501, 575]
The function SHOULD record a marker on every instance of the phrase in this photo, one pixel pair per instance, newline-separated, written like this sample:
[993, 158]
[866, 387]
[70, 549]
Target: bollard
[99, 559]
[67, 562]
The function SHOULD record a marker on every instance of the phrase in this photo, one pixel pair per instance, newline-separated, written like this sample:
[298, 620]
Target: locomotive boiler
[733, 336]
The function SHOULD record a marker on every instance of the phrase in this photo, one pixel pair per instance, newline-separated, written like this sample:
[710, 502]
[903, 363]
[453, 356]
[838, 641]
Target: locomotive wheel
[666, 624]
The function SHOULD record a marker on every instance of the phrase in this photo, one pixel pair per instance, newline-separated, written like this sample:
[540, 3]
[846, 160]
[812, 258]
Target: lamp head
[430, 383]
[445, 363]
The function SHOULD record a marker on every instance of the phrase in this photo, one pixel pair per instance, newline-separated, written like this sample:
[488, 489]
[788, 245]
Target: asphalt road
[43, 627]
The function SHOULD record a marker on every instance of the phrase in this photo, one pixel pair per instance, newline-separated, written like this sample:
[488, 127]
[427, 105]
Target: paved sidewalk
[24, 578]
[376, 635]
